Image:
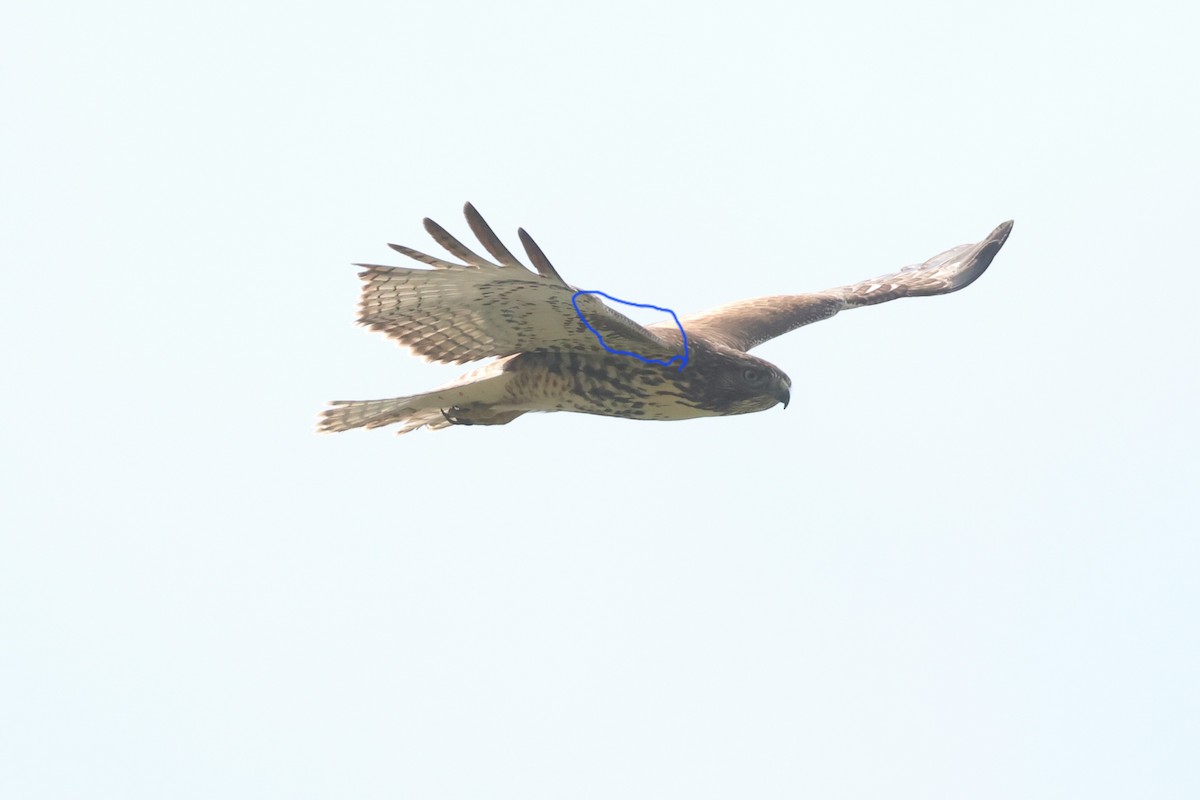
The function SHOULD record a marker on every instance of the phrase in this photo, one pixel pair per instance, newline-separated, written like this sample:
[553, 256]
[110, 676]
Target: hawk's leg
[478, 415]
[453, 416]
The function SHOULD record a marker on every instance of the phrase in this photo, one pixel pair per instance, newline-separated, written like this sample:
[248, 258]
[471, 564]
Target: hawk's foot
[453, 416]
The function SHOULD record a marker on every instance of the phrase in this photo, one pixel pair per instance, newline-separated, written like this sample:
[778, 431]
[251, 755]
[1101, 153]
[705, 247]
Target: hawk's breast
[609, 385]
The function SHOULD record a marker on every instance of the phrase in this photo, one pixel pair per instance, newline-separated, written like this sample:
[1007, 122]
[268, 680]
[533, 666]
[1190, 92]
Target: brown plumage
[549, 361]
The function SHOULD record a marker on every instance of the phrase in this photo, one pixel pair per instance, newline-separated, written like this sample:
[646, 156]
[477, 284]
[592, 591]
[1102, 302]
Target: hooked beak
[784, 396]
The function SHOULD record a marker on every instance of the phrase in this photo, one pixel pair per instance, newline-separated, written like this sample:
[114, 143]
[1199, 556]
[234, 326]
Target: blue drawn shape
[638, 356]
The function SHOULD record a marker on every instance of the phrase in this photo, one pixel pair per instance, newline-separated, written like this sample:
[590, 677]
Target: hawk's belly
[612, 386]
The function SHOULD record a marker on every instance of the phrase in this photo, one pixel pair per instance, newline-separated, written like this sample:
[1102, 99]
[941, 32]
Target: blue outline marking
[667, 363]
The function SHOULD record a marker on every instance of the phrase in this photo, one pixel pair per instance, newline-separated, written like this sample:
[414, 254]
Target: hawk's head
[739, 383]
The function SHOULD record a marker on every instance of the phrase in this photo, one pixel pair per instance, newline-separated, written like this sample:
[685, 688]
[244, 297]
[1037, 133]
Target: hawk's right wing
[749, 323]
[477, 309]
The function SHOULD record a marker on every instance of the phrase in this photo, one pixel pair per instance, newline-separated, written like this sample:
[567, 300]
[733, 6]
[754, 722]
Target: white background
[962, 564]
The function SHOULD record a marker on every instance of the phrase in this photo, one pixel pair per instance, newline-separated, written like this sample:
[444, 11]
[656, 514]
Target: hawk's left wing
[749, 323]
[458, 312]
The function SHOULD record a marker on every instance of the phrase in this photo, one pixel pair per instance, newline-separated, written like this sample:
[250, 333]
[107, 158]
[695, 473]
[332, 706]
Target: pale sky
[962, 564]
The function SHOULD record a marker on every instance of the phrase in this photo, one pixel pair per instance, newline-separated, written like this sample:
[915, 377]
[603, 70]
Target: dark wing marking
[749, 323]
[477, 309]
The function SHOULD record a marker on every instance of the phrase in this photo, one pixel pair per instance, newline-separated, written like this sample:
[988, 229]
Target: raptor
[547, 359]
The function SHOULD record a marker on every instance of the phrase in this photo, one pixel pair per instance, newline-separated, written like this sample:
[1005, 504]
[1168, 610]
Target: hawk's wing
[749, 323]
[477, 309]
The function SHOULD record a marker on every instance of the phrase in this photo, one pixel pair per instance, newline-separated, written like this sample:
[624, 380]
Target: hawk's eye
[751, 375]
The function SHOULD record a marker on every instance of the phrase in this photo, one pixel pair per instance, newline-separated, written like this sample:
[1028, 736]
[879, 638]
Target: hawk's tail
[414, 412]
[477, 398]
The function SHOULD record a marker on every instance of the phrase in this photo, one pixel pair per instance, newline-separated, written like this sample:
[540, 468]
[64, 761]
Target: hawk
[548, 359]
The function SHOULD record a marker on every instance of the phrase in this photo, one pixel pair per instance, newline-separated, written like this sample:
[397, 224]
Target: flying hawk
[550, 360]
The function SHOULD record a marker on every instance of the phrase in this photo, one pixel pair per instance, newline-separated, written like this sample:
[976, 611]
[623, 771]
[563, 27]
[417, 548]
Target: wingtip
[986, 250]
